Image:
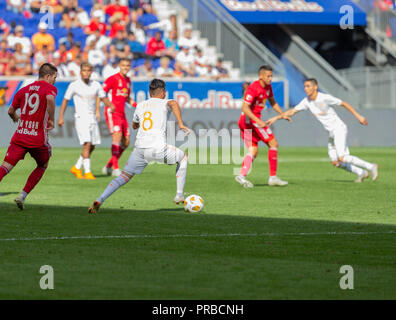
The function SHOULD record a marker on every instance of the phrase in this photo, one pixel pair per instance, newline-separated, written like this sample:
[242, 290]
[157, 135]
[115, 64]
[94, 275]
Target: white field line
[164, 236]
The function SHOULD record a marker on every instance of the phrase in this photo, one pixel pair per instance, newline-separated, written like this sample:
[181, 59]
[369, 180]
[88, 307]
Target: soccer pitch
[260, 243]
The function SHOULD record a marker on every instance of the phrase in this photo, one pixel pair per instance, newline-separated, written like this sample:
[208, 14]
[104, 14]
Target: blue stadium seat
[392, 23]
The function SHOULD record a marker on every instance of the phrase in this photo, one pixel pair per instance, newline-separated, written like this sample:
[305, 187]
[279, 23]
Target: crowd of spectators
[112, 29]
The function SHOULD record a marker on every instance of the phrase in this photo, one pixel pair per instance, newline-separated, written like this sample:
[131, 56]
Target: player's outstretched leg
[181, 173]
[372, 167]
[111, 188]
[32, 181]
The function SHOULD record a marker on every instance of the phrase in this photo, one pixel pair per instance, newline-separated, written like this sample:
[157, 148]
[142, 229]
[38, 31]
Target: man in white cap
[42, 38]
[19, 38]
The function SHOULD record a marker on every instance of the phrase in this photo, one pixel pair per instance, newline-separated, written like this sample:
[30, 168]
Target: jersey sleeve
[16, 102]
[332, 101]
[108, 84]
[250, 95]
[101, 93]
[301, 106]
[69, 92]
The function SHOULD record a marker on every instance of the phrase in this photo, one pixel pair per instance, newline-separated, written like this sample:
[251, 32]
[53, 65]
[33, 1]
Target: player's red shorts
[117, 122]
[16, 152]
[251, 134]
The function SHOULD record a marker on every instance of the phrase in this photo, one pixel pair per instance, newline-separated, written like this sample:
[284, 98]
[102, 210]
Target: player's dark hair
[47, 68]
[86, 65]
[312, 80]
[265, 68]
[155, 86]
[124, 59]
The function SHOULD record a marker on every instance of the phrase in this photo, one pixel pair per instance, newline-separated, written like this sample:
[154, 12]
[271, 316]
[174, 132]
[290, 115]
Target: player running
[121, 93]
[86, 94]
[320, 105]
[150, 118]
[253, 129]
[37, 111]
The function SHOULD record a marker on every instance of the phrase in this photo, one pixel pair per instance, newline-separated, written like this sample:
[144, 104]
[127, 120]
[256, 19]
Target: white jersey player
[150, 118]
[320, 104]
[86, 95]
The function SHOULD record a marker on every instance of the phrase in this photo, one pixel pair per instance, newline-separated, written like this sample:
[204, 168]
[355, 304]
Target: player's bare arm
[246, 110]
[352, 110]
[135, 125]
[176, 111]
[61, 122]
[13, 115]
[97, 109]
[278, 109]
[108, 103]
[286, 115]
[51, 111]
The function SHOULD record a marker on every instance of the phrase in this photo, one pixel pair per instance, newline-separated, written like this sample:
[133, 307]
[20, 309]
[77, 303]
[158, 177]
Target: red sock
[3, 172]
[273, 160]
[33, 179]
[115, 151]
[110, 163]
[247, 163]
[122, 149]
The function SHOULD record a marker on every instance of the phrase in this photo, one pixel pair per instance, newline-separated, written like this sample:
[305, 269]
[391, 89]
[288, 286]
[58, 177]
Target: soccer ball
[193, 203]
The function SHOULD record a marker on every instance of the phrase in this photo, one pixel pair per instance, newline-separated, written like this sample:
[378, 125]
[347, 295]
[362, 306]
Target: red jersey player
[120, 87]
[37, 110]
[253, 129]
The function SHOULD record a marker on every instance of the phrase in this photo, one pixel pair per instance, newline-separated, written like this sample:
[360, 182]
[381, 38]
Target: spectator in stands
[164, 70]
[73, 65]
[165, 25]
[187, 40]
[68, 41]
[42, 38]
[41, 56]
[75, 50]
[201, 63]
[15, 5]
[146, 70]
[178, 71]
[111, 68]
[19, 38]
[4, 30]
[82, 18]
[62, 52]
[34, 5]
[186, 60]
[222, 72]
[19, 62]
[156, 46]
[116, 24]
[136, 47]
[212, 72]
[100, 40]
[69, 16]
[171, 45]
[63, 72]
[148, 18]
[55, 5]
[141, 4]
[119, 43]
[96, 24]
[116, 7]
[96, 57]
[5, 56]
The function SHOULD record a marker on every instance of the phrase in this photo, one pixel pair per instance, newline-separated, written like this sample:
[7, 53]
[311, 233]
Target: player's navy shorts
[16, 152]
[251, 134]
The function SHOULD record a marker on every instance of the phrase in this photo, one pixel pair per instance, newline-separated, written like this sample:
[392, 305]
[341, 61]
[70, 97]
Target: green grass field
[262, 243]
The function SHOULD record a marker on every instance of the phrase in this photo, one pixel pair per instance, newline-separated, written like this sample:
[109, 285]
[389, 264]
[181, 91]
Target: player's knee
[274, 144]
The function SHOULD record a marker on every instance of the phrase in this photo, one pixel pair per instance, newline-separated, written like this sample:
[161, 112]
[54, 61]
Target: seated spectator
[62, 53]
[41, 56]
[15, 5]
[4, 30]
[63, 72]
[75, 50]
[20, 62]
[73, 65]
[200, 62]
[212, 72]
[146, 70]
[119, 43]
[42, 38]
[186, 60]
[148, 18]
[156, 46]
[68, 41]
[165, 25]
[19, 38]
[55, 5]
[164, 70]
[178, 71]
[116, 7]
[34, 5]
[100, 40]
[96, 24]
[223, 73]
[116, 24]
[110, 68]
[5, 56]
[137, 48]
[69, 16]
[82, 18]
[187, 40]
[171, 45]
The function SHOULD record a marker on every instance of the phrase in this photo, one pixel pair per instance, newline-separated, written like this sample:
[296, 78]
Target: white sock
[351, 168]
[23, 195]
[79, 162]
[181, 172]
[113, 187]
[358, 162]
[87, 165]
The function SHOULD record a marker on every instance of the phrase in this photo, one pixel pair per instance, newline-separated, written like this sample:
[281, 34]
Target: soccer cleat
[374, 172]
[107, 171]
[77, 172]
[178, 199]
[20, 202]
[94, 208]
[89, 176]
[116, 172]
[360, 178]
[242, 181]
[275, 181]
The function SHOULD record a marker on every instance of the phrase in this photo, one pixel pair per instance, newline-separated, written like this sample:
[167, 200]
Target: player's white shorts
[140, 158]
[87, 131]
[338, 143]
